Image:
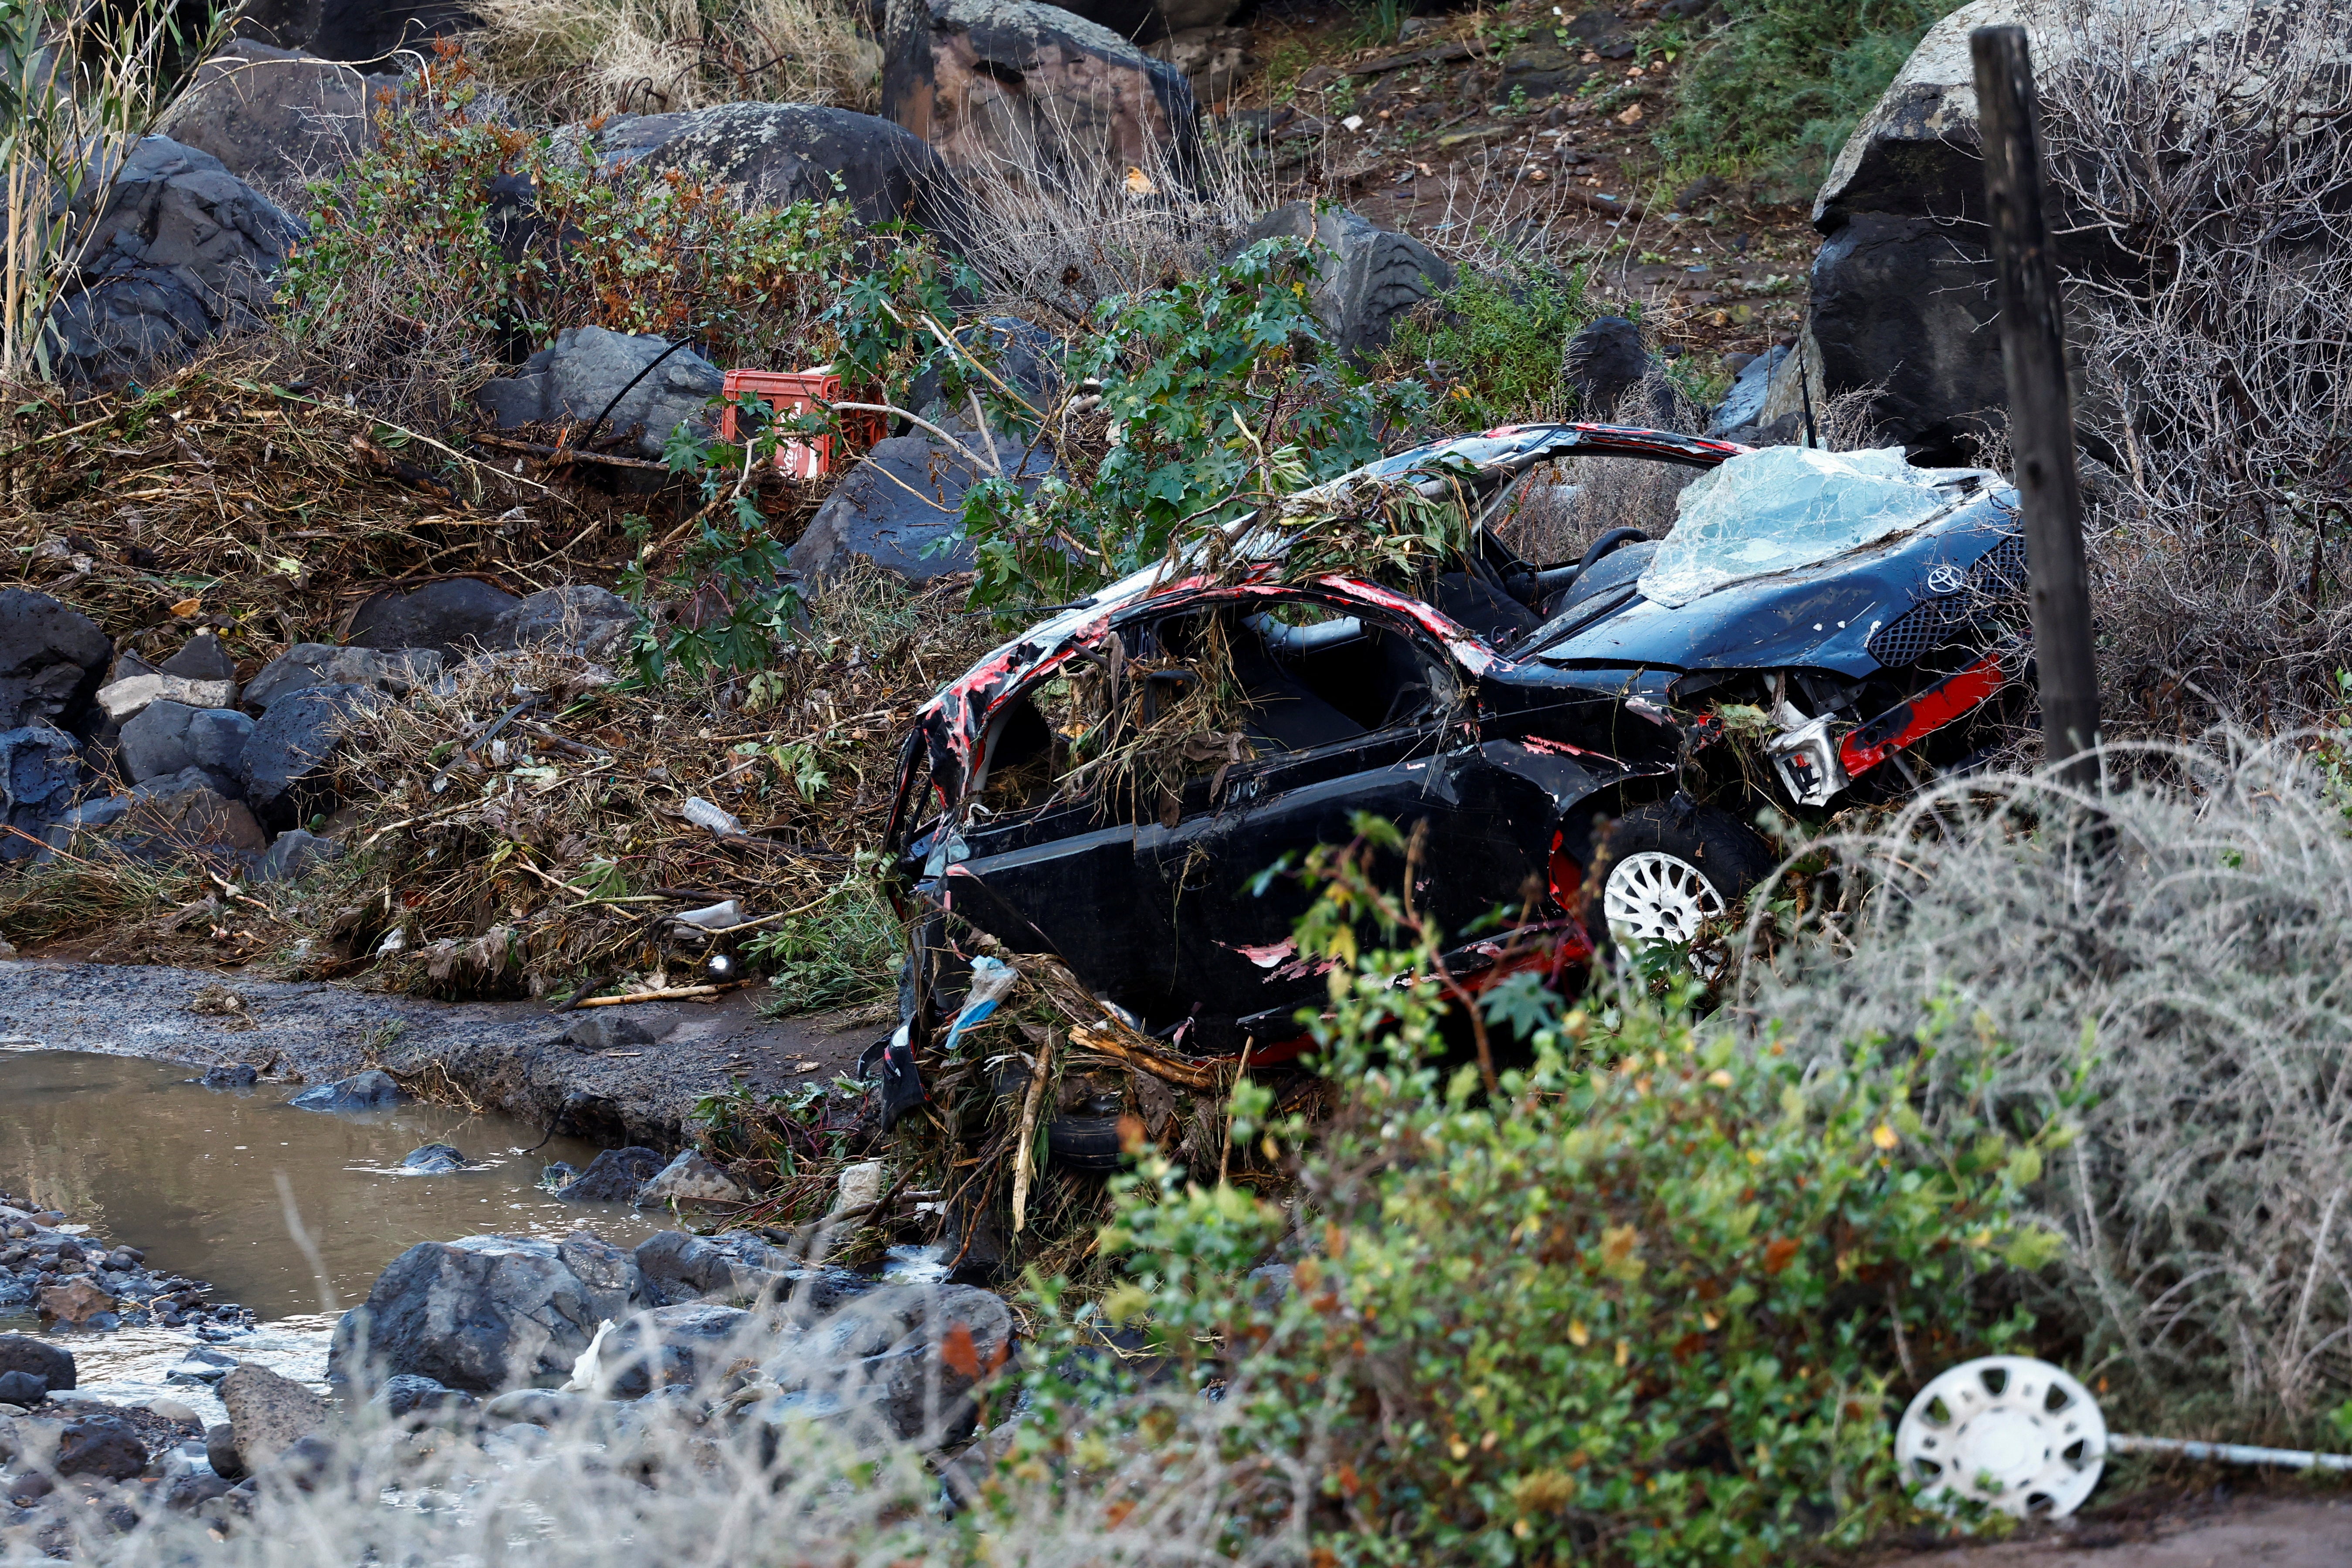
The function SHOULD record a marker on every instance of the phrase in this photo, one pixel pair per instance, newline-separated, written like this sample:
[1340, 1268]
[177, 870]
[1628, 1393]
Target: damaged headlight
[1805, 755]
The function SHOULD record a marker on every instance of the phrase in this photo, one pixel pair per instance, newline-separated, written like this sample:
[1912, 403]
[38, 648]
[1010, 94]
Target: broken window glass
[1783, 508]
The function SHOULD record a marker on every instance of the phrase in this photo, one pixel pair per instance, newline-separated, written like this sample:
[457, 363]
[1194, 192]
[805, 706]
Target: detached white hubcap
[2007, 1431]
[1655, 897]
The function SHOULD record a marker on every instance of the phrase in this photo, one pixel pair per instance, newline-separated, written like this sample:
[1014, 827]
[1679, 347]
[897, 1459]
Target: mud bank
[515, 1058]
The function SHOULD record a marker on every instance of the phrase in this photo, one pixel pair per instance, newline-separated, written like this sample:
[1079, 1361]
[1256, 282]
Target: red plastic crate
[796, 392]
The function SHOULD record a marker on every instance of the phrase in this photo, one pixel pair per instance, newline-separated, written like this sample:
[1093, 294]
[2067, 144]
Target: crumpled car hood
[1820, 617]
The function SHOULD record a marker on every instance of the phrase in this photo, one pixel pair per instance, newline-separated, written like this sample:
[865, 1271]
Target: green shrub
[1217, 394]
[1642, 1302]
[410, 258]
[1782, 82]
[1492, 349]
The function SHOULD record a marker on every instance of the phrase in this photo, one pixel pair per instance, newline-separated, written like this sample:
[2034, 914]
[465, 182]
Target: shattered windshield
[1786, 507]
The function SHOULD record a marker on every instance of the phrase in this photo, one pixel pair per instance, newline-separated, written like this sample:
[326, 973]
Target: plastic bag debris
[714, 917]
[991, 978]
[718, 819]
[1788, 507]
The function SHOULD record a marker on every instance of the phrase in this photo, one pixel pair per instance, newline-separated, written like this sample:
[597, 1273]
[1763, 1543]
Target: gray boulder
[53, 1363]
[183, 249]
[294, 854]
[1605, 361]
[584, 372]
[778, 153]
[670, 1347]
[267, 1412]
[39, 772]
[23, 1389]
[100, 1444]
[900, 1363]
[690, 1181]
[902, 510]
[591, 619]
[367, 31]
[1902, 286]
[452, 616]
[286, 759]
[231, 1075]
[191, 809]
[51, 660]
[308, 664]
[613, 1176]
[220, 1452]
[369, 1090]
[483, 1314]
[1365, 276]
[1014, 84]
[1743, 405]
[215, 739]
[155, 741]
[276, 117]
[677, 1266]
[409, 1395]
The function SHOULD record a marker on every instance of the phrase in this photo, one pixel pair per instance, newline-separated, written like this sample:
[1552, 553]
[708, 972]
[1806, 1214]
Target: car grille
[1996, 583]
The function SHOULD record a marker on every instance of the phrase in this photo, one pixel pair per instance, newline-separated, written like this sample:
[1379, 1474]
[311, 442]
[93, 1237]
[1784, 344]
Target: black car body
[1504, 705]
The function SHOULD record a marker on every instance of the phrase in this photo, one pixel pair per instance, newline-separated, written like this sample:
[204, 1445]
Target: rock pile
[157, 760]
[728, 1320]
[77, 1280]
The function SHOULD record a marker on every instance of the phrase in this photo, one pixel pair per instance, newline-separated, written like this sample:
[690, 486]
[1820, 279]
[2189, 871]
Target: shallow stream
[188, 1176]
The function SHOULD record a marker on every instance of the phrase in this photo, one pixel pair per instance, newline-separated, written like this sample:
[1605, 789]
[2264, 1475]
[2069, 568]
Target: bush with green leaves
[1781, 83]
[1649, 1298]
[1216, 394]
[1491, 349]
[458, 241]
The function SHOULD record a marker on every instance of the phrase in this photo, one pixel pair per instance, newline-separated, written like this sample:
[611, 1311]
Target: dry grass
[2218, 348]
[550, 854]
[1052, 249]
[2171, 969]
[573, 59]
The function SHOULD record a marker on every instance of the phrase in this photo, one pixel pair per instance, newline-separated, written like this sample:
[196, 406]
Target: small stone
[215, 738]
[23, 1388]
[406, 1393]
[125, 699]
[100, 1444]
[76, 1302]
[433, 1159]
[231, 1075]
[171, 1410]
[220, 1451]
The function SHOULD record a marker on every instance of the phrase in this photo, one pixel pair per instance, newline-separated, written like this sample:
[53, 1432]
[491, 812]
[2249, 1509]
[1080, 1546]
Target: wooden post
[2040, 408]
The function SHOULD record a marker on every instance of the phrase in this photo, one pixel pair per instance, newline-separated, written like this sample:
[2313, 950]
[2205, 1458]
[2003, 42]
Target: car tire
[1085, 1142]
[1660, 870]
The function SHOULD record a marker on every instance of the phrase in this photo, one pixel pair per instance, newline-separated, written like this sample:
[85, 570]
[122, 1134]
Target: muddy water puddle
[188, 1176]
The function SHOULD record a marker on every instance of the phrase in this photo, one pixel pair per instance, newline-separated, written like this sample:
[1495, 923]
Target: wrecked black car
[1815, 629]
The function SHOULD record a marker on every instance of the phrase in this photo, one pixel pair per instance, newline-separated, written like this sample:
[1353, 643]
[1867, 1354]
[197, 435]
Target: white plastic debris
[860, 1187]
[991, 978]
[718, 819]
[583, 1371]
[716, 917]
[1783, 508]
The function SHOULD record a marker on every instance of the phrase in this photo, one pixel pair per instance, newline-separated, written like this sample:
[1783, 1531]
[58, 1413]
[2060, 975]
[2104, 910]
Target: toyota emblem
[1944, 579]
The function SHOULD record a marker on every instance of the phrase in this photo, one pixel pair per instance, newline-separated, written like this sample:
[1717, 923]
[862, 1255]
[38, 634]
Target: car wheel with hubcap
[1661, 872]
